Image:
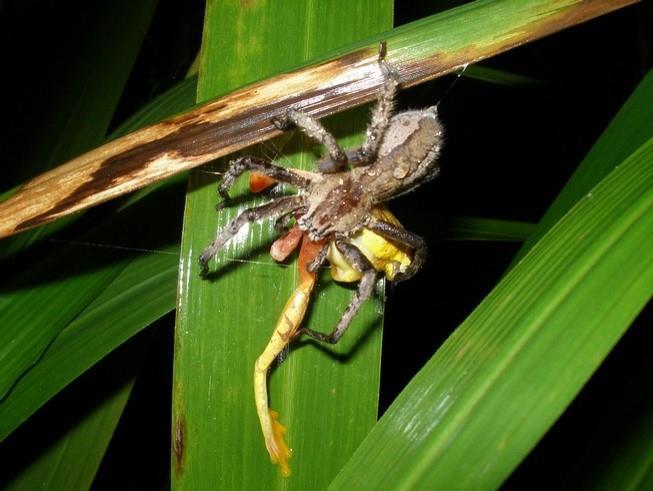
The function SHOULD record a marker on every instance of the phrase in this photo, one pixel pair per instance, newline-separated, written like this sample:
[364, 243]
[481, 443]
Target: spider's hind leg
[273, 208]
[403, 236]
[365, 289]
[249, 163]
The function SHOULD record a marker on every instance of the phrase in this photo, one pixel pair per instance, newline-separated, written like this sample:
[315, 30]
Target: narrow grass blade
[143, 292]
[328, 398]
[625, 459]
[498, 383]
[73, 460]
[624, 456]
[499, 77]
[37, 307]
[474, 228]
[176, 99]
[632, 465]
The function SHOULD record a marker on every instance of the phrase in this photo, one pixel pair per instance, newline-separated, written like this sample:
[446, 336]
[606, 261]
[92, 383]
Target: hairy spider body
[341, 202]
[333, 205]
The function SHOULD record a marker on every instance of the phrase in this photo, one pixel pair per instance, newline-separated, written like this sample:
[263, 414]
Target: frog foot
[277, 446]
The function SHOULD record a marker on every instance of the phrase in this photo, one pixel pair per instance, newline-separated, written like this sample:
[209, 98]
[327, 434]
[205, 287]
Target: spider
[344, 200]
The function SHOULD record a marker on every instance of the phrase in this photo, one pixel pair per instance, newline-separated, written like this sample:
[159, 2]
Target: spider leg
[314, 129]
[381, 114]
[365, 289]
[273, 208]
[403, 236]
[249, 163]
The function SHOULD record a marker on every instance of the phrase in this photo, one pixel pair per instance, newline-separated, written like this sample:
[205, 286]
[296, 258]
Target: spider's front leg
[381, 113]
[249, 163]
[314, 129]
[365, 288]
[272, 209]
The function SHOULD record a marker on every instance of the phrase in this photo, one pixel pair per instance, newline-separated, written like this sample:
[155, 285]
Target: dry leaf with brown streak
[242, 118]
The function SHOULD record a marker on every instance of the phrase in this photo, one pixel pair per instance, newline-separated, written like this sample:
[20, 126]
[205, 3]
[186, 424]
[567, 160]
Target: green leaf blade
[327, 398]
[630, 128]
[505, 375]
[35, 308]
[32, 317]
[73, 460]
[488, 229]
[143, 292]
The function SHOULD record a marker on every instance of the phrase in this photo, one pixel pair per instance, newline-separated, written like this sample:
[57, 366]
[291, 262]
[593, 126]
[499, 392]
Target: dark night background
[509, 151]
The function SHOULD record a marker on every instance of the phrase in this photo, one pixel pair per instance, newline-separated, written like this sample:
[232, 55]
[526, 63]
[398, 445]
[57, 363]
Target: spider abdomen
[407, 157]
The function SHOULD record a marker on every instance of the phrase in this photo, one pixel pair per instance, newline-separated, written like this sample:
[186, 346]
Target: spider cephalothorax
[341, 199]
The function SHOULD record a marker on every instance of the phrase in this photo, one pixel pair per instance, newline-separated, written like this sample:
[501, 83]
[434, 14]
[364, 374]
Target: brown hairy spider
[399, 154]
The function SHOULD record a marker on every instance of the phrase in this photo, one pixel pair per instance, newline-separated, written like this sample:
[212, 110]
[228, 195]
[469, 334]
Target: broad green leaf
[504, 376]
[626, 462]
[630, 128]
[114, 341]
[225, 323]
